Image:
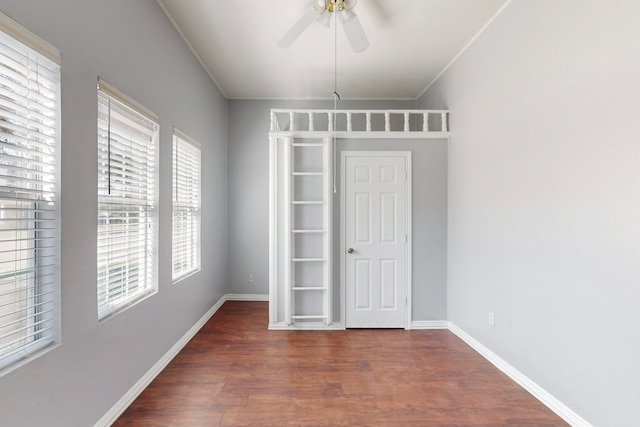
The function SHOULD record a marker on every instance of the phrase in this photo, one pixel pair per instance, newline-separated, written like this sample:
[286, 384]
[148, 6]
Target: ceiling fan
[321, 10]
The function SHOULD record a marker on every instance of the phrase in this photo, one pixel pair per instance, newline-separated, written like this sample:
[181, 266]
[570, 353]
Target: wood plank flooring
[237, 373]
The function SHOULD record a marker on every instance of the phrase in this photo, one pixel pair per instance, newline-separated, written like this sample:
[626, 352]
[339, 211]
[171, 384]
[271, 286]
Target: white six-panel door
[375, 227]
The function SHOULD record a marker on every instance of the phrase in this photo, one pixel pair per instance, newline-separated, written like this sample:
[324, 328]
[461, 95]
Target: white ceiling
[411, 43]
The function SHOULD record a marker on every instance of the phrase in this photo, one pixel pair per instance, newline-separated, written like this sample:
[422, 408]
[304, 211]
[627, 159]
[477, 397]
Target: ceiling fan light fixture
[320, 10]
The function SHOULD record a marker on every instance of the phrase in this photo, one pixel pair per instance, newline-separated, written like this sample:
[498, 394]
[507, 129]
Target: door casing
[343, 281]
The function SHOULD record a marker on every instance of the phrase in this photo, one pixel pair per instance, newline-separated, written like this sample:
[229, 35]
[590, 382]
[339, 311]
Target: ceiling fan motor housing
[344, 11]
[339, 5]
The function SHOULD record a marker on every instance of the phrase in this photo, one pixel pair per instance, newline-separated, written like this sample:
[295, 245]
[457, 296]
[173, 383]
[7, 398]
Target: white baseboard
[429, 324]
[112, 415]
[281, 326]
[525, 382]
[538, 392]
[247, 297]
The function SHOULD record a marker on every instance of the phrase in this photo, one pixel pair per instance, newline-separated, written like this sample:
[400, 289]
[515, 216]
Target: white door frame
[408, 246]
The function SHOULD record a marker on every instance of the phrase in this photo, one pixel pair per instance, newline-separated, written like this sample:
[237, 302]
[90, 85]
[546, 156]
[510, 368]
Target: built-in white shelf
[306, 228]
[311, 316]
[358, 124]
[308, 202]
[301, 144]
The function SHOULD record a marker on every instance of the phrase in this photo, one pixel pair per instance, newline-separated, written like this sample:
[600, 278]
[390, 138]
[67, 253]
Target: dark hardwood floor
[237, 373]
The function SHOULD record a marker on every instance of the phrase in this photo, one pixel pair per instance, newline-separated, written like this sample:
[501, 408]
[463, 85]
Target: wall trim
[188, 43]
[473, 39]
[282, 326]
[247, 297]
[429, 324]
[121, 405]
[525, 382]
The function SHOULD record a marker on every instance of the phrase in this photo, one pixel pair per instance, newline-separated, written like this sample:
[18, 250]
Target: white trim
[112, 91]
[334, 129]
[186, 138]
[247, 297]
[328, 168]
[273, 234]
[409, 203]
[121, 405]
[359, 135]
[315, 326]
[473, 39]
[342, 98]
[430, 324]
[29, 38]
[409, 242]
[190, 46]
[525, 382]
[286, 221]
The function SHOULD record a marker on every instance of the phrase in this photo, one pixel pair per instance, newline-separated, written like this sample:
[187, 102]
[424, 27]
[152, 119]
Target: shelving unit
[301, 292]
[307, 221]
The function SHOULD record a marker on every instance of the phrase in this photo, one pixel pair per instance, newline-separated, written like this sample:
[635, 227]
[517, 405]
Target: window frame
[37, 206]
[137, 217]
[194, 212]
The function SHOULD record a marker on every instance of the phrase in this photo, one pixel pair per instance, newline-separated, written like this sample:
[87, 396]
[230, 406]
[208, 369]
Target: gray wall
[133, 46]
[544, 204]
[249, 202]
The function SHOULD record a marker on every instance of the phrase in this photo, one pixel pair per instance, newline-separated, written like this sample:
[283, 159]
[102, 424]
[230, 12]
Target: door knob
[350, 250]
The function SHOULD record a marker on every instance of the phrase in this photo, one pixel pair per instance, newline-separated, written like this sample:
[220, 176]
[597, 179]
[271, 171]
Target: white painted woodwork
[289, 123]
[300, 196]
[288, 212]
[273, 226]
[306, 220]
[376, 227]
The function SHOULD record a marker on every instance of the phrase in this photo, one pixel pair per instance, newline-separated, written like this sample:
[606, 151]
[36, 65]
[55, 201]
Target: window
[127, 201]
[29, 211]
[186, 206]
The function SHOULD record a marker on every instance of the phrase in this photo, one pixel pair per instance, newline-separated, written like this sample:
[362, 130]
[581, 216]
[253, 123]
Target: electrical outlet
[492, 318]
[250, 277]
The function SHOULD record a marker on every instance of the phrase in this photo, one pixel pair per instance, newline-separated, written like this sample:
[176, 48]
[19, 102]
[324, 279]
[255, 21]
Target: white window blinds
[127, 201]
[29, 212]
[186, 206]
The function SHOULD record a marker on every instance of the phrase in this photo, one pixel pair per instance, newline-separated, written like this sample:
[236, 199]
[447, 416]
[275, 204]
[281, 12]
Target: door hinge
[406, 301]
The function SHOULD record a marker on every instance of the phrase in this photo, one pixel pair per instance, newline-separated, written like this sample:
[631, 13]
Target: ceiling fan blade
[298, 28]
[353, 30]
